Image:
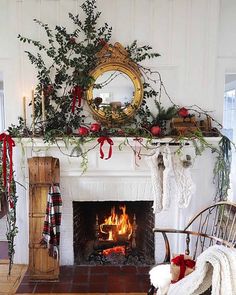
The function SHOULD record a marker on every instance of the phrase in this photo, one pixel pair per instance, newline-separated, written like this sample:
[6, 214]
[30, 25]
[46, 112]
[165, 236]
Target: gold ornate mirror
[117, 91]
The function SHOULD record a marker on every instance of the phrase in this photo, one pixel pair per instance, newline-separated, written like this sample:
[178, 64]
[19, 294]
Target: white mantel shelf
[122, 163]
[38, 141]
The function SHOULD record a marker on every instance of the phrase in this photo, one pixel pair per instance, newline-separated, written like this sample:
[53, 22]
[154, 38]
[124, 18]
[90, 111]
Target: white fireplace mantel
[118, 179]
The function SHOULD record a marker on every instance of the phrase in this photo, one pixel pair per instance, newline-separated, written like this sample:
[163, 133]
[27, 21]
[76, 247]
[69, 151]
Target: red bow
[77, 93]
[183, 264]
[8, 143]
[101, 140]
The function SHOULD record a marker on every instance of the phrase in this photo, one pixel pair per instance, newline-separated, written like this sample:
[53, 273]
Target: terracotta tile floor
[92, 279]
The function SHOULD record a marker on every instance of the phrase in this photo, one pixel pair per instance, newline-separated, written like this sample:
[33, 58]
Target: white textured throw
[216, 266]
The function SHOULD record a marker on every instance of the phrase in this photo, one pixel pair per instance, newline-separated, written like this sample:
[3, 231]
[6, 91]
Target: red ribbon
[183, 264]
[77, 93]
[102, 140]
[8, 143]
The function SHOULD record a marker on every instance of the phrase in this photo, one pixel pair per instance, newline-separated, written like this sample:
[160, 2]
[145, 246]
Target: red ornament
[121, 132]
[183, 112]
[95, 127]
[83, 131]
[156, 130]
[72, 40]
[48, 90]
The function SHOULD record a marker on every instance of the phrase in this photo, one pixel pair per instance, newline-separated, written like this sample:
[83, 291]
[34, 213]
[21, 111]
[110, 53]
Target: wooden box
[184, 126]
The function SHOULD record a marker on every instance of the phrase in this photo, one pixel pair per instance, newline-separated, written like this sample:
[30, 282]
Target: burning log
[103, 245]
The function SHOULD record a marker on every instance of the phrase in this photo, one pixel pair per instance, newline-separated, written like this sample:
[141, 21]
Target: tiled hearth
[92, 279]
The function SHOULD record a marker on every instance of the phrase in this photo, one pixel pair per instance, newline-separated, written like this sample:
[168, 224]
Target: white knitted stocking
[184, 183]
[157, 181]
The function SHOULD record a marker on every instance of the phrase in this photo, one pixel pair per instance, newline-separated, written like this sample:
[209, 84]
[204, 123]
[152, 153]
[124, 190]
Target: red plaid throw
[52, 222]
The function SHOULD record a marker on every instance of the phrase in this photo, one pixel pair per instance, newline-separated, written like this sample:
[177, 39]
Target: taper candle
[24, 110]
[43, 107]
[33, 111]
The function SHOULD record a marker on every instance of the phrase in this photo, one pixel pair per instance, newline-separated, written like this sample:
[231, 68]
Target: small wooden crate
[184, 126]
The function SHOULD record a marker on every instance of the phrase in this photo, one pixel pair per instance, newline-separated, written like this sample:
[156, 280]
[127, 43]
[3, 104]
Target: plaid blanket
[52, 222]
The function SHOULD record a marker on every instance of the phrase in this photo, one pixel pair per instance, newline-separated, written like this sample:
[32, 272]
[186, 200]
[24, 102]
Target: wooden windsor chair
[215, 224]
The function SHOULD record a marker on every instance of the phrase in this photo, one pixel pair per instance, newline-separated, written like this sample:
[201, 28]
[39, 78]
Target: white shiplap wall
[184, 32]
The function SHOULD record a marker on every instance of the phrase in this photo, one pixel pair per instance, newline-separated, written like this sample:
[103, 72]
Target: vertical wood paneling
[171, 28]
[142, 20]
[212, 41]
[109, 11]
[4, 23]
[197, 48]
[180, 33]
[64, 8]
[124, 20]
[188, 35]
[183, 31]
[160, 28]
[28, 10]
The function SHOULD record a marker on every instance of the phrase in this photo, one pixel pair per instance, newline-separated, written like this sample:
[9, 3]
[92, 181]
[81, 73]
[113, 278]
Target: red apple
[48, 90]
[183, 112]
[156, 130]
[95, 127]
[83, 131]
[121, 132]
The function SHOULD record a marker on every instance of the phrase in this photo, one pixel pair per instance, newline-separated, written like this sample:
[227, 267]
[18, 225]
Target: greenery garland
[222, 169]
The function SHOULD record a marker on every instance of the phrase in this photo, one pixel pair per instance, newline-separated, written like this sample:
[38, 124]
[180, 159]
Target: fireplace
[113, 232]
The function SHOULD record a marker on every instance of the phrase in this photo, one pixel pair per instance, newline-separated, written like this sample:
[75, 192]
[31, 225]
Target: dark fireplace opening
[116, 233]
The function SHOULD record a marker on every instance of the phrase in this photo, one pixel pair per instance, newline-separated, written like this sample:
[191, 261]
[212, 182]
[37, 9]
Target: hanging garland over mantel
[59, 112]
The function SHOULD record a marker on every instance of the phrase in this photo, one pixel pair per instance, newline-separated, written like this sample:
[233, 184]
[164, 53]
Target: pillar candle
[43, 107]
[24, 110]
[33, 112]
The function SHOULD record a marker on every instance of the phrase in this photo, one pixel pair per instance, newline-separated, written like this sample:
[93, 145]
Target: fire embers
[116, 236]
[116, 227]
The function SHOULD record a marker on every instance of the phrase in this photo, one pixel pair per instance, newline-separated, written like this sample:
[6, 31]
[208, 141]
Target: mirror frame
[115, 58]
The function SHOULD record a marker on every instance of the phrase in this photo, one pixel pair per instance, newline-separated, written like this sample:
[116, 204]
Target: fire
[117, 227]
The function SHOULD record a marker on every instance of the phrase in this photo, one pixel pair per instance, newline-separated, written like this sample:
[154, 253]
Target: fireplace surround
[117, 179]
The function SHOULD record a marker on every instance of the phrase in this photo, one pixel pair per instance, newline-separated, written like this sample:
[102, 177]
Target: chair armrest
[165, 231]
[170, 230]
